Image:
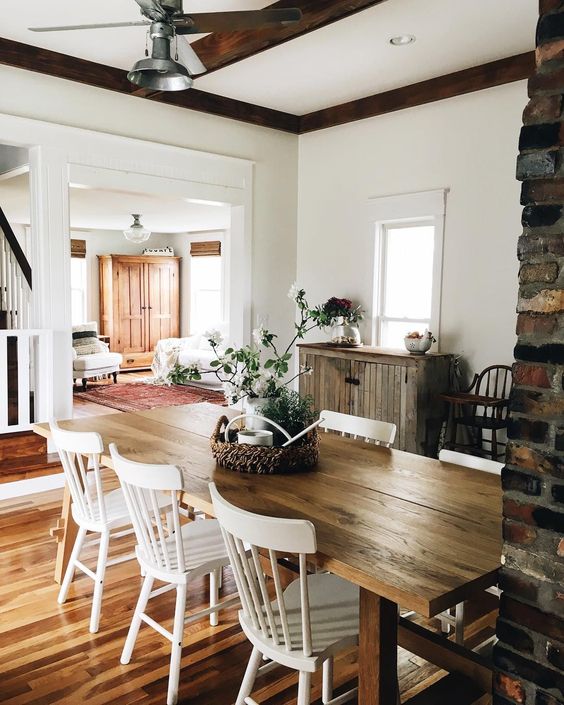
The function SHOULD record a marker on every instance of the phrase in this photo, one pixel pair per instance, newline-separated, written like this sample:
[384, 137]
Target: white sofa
[193, 349]
[94, 364]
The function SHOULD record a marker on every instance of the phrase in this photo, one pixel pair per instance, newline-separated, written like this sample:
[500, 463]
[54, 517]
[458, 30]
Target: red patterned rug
[139, 396]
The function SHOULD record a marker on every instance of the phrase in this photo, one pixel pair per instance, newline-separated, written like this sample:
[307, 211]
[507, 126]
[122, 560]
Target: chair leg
[304, 688]
[99, 582]
[136, 620]
[250, 677]
[214, 597]
[494, 444]
[67, 580]
[177, 636]
[114, 375]
[84, 384]
[327, 684]
[459, 624]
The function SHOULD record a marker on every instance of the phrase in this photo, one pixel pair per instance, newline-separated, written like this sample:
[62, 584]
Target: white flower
[194, 368]
[306, 370]
[258, 334]
[214, 337]
[294, 292]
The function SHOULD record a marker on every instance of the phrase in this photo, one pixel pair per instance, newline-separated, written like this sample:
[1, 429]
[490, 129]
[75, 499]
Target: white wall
[468, 144]
[275, 155]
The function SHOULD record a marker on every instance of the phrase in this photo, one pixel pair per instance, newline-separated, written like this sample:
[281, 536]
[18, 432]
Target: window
[408, 261]
[78, 285]
[206, 286]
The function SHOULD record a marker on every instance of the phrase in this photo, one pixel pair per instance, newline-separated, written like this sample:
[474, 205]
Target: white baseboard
[20, 488]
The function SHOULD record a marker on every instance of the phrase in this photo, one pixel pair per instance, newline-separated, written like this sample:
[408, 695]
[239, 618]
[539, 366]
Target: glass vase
[346, 335]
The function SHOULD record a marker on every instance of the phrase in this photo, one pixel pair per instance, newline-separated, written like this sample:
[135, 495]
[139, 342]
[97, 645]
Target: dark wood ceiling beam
[52, 63]
[477, 78]
[221, 49]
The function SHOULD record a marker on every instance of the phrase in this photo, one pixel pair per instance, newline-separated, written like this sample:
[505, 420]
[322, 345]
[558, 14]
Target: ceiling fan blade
[189, 58]
[205, 22]
[88, 26]
[152, 9]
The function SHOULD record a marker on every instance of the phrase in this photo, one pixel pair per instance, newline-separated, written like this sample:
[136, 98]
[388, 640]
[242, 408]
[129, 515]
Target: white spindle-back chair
[470, 461]
[454, 619]
[379, 432]
[172, 552]
[92, 510]
[307, 623]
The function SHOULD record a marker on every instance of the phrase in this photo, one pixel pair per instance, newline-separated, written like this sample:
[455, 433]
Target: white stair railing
[15, 292]
[26, 378]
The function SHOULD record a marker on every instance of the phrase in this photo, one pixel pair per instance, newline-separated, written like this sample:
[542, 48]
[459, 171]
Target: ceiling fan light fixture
[160, 72]
[402, 40]
[136, 232]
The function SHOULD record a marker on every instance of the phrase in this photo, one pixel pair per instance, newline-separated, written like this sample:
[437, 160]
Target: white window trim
[426, 207]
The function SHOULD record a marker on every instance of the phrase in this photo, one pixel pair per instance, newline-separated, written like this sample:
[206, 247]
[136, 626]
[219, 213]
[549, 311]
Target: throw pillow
[85, 340]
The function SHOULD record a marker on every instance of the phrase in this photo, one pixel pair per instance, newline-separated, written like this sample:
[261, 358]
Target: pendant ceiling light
[136, 232]
[160, 72]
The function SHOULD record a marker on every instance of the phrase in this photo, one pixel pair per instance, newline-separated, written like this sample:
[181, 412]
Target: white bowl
[417, 346]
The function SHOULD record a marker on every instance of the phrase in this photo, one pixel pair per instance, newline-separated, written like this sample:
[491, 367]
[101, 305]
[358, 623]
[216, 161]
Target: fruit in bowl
[418, 343]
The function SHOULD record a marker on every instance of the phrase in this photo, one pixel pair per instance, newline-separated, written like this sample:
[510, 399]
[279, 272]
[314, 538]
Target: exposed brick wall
[530, 654]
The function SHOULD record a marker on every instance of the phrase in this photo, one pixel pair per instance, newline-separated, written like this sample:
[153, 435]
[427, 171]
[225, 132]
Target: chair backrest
[142, 486]
[381, 432]
[80, 452]
[471, 461]
[244, 534]
[495, 381]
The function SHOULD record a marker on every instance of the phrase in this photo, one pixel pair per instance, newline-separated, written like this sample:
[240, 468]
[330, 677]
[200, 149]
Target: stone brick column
[530, 655]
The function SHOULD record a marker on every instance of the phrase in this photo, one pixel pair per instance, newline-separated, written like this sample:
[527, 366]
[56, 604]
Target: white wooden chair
[92, 510]
[379, 432]
[470, 461]
[454, 619]
[315, 617]
[175, 554]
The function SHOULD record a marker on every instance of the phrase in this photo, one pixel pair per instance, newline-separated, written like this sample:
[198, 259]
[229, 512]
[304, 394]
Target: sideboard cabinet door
[381, 384]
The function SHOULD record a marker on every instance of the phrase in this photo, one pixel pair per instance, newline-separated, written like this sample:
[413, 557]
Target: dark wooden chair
[481, 407]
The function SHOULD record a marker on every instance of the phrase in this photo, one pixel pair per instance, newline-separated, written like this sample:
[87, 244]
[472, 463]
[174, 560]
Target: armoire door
[130, 287]
[161, 300]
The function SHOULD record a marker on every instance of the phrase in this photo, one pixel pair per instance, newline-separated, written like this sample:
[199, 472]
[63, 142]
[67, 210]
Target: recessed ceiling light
[402, 40]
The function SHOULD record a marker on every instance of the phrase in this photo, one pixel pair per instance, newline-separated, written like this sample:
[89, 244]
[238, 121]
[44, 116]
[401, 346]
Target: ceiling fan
[166, 21]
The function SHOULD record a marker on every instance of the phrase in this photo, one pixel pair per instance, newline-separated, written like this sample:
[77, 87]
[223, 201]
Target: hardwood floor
[48, 656]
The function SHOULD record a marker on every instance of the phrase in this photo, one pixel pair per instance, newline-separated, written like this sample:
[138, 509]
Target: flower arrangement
[258, 370]
[335, 309]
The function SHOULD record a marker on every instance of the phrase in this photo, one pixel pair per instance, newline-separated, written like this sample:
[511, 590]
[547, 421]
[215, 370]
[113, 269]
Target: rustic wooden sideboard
[378, 383]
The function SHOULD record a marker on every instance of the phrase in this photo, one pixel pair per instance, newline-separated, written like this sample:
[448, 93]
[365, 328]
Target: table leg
[378, 653]
[66, 542]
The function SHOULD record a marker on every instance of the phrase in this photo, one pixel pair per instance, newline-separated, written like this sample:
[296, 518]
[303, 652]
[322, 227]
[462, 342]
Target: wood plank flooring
[48, 656]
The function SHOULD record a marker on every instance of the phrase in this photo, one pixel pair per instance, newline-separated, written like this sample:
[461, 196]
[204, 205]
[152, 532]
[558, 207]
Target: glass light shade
[136, 232]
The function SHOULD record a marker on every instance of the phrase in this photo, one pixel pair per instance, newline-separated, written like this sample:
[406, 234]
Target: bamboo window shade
[78, 248]
[205, 249]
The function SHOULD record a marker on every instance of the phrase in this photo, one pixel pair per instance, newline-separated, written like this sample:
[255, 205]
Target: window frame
[204, 237]
[83, 290]
[417, 209]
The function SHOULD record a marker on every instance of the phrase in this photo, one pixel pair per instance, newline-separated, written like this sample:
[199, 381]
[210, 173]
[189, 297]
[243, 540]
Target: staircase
[15, 280]
[26, 393]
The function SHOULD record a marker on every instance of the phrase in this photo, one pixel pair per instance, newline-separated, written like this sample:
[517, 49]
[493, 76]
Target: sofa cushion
[85, 339]
[97, 361]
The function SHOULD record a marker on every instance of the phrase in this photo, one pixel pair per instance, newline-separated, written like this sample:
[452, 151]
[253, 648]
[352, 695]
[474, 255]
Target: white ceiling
[349, 59]
[104, 209]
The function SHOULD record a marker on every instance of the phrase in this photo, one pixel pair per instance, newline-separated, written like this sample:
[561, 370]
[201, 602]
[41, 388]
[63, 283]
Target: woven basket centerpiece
[301, 456]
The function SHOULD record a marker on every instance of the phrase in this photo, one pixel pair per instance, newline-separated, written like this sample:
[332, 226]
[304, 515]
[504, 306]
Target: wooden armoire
[139, 304]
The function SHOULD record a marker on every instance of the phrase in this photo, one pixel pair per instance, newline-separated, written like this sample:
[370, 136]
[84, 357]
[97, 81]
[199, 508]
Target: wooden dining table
[410, 531]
